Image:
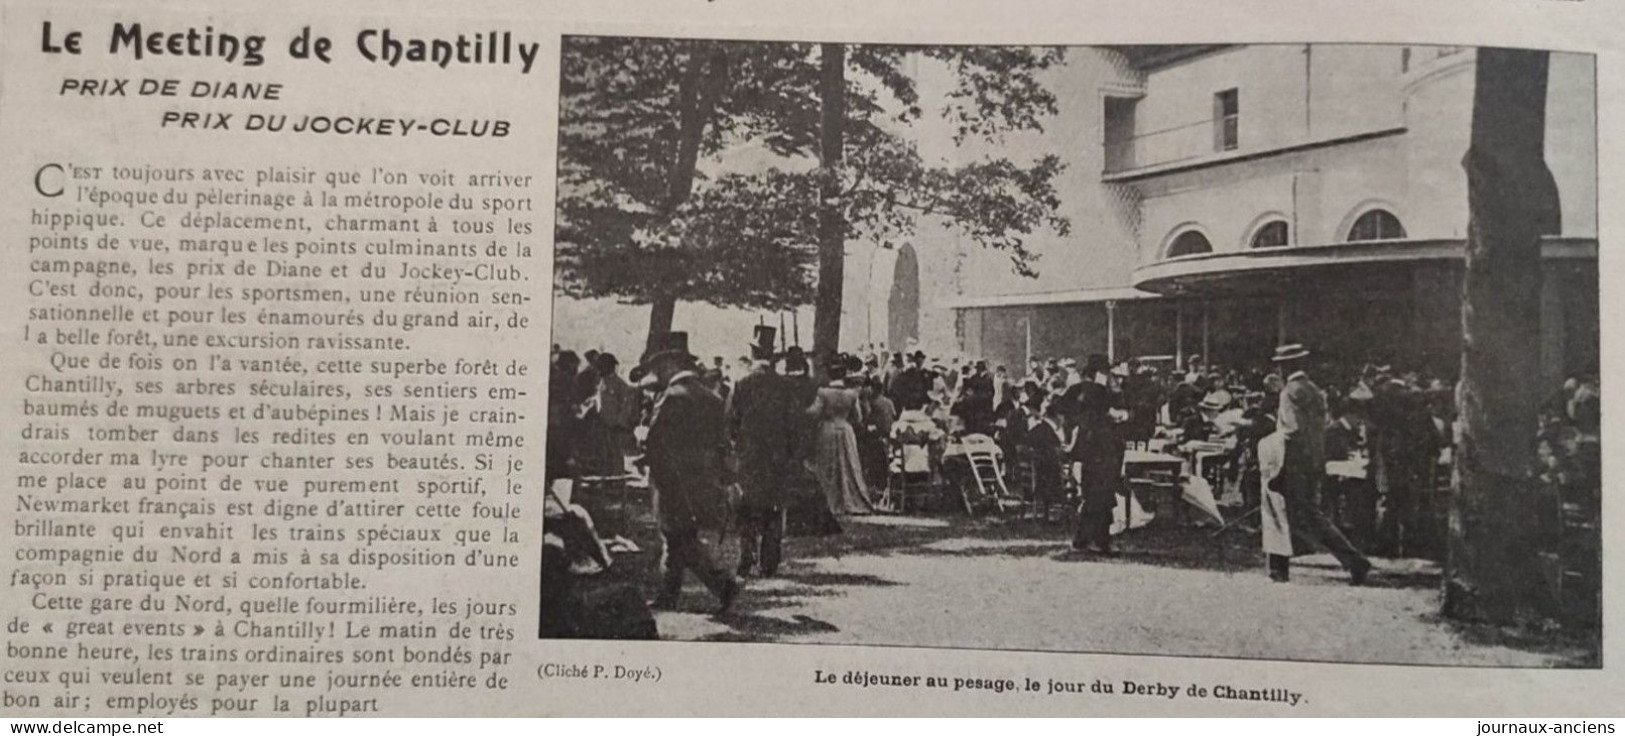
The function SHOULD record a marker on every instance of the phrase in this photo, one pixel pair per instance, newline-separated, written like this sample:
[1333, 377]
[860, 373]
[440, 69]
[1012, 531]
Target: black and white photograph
[1276, 351]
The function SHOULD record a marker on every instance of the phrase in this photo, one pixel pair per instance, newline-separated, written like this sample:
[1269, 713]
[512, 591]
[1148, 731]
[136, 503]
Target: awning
[1043, 298]
[1273, 270]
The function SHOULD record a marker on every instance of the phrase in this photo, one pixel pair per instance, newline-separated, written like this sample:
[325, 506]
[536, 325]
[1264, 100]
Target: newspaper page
[797, 358]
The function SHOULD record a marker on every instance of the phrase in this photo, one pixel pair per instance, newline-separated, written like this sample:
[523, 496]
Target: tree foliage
[639, 223]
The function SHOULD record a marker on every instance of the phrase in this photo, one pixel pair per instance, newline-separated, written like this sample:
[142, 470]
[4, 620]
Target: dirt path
[1005, 584]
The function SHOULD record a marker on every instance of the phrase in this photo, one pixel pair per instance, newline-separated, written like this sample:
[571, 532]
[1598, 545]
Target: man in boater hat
[1302, 424]
[687, 447]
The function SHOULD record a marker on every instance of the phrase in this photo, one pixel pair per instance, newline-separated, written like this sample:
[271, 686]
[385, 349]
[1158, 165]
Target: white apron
[1276, 530]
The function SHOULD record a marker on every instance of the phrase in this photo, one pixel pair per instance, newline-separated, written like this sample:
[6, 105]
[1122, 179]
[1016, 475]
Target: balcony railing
[1168, 145]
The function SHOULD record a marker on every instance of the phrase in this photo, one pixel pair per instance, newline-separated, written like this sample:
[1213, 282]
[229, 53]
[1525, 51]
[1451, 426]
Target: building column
[1179, 335]
[1111, 331]
[1028, 324]
[1553, 329]
[1280, 321]
[1207, 307]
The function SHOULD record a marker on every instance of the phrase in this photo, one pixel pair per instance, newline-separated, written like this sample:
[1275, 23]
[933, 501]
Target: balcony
[1169, 146]
[1192, 146]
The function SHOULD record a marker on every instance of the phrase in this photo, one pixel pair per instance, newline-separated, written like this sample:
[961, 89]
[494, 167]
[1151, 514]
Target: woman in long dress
[836, 463]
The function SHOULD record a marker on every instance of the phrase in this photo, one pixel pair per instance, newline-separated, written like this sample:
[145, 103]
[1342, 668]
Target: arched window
[1376, 225]
[1271, 235]
[1189, 243]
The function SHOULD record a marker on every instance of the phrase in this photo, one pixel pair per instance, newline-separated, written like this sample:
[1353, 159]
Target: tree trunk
[1493, 569]
[831, 215]
[697, 94]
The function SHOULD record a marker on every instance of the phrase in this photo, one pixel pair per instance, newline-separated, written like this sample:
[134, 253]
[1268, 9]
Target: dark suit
[911, 389]
[762, 418]
[980, 383]
[1048, 464]
[1303, 423]
[1407, 448]
[686, 447]
[1098, 450]
[1341, 441]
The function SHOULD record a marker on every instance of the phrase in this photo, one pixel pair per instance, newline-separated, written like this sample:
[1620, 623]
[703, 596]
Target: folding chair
[908, 469]
[600, 491]
[982, 454]
[1022, 474]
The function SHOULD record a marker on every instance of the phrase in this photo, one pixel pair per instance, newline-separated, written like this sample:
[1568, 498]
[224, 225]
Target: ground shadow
[1579, 647]
[747, 627]
[824, 579]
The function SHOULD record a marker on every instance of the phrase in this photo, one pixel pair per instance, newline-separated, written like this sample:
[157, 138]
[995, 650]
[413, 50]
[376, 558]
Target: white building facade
[1225, 199]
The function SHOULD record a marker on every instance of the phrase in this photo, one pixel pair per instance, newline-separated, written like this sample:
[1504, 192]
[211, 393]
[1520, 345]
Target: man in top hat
[1302, 424]
[803, 391]
[762, 418]
[686, 446]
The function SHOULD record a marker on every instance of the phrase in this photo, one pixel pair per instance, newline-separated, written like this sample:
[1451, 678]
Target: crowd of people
[760, 447]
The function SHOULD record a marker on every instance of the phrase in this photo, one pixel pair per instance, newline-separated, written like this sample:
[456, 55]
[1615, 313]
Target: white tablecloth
[1349, 469]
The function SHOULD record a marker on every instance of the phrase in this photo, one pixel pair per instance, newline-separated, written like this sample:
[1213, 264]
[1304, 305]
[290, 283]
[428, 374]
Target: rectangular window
[1118, 133]
[1226, 120]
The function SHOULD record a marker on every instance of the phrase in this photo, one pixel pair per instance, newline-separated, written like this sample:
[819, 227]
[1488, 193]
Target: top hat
[668, 345]
[795, 360]
[1294, 351]
[1096, 363]
[761, 347]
